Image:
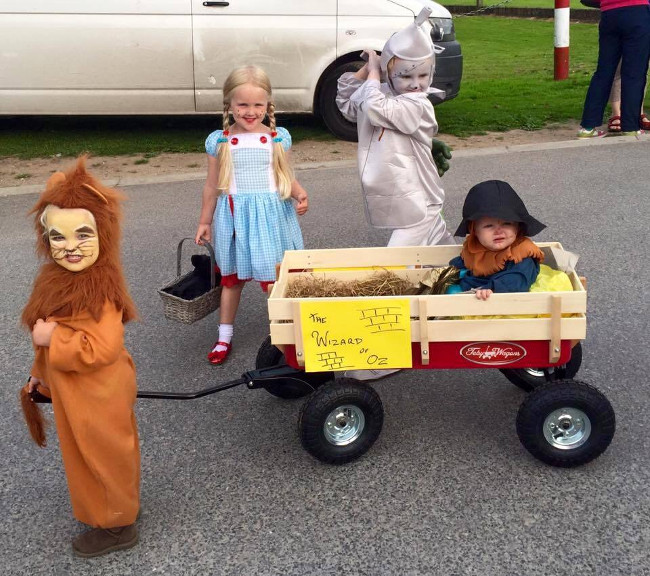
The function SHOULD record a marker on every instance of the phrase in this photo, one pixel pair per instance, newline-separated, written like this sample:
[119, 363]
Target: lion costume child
[76, 314]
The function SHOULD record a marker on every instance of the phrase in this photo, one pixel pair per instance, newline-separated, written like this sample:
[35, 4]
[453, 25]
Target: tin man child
[396, 124]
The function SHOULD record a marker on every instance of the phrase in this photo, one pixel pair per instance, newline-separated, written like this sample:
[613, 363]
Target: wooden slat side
[357, 257]
[297, 334]
[471, 330]
[413, 275]
[504, 304]
[504, 329]
[281, 334]
[279, 287]
[576, 282]
[423, 337]
[458, 305]
[556, 329]
[285, 264]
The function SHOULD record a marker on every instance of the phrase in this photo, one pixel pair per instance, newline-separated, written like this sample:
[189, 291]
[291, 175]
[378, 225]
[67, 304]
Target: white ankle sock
[225, 335]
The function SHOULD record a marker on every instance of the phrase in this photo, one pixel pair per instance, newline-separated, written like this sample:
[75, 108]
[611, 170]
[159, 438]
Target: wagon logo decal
[493, 353]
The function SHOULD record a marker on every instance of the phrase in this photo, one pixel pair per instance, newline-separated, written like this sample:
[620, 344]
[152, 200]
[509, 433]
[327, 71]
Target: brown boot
[98, 541]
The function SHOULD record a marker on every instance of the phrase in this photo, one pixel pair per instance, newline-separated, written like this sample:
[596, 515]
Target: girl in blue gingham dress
[248, 211]
[253, 226]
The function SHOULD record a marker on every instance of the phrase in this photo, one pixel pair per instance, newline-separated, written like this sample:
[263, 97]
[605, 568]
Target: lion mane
[61, 292]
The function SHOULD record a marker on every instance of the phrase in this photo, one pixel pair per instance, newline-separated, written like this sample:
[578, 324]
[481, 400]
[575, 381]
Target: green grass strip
[574, 4]
[37, 137]
[508, 76]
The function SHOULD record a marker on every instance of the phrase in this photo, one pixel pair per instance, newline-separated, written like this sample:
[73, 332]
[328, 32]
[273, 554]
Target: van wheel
[287, 388]
[530, 378]
[341, 421]
[566, 423]
[334, 120]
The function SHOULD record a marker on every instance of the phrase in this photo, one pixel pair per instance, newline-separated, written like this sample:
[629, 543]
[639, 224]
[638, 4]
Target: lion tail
[33, 417]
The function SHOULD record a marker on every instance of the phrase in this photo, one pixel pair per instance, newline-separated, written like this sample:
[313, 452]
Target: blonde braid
[226, 117]
[224, 156]
[270, 110]
[281, 167]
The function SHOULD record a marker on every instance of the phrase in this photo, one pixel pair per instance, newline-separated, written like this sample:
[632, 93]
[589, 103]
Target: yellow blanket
[548, 280]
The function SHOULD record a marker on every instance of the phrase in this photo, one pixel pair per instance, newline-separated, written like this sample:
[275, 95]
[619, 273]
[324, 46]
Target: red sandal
[219, 356]
[614, 124]
[645, 123]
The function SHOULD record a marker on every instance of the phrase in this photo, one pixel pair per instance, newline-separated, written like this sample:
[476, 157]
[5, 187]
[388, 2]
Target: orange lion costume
[76, 314]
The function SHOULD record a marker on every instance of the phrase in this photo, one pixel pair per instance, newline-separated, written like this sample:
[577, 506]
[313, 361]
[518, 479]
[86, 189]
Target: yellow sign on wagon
[356, 334]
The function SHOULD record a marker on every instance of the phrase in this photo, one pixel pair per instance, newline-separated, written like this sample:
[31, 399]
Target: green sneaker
[593, 133]
[635, 133]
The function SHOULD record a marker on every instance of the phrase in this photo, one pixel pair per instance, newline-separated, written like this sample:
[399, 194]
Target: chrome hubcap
[536, 372]
[567, 428]
[344, 425]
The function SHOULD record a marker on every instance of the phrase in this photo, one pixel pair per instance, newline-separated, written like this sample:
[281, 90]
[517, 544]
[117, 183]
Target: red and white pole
[561, 68]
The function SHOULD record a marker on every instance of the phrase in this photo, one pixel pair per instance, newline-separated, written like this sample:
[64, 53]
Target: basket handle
[213, 261]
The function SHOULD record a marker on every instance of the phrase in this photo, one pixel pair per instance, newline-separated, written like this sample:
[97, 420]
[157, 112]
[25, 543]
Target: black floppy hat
[497, 199]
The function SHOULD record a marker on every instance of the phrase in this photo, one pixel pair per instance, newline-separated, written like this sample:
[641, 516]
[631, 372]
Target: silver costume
[399, 178]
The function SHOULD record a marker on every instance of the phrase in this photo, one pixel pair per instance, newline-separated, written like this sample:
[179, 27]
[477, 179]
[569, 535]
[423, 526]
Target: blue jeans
[623, 33]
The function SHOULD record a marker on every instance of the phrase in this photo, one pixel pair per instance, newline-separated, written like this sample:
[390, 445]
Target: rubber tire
[566, 394]
[322, 402]
[268, 355]
[329, 112]
[522, 378]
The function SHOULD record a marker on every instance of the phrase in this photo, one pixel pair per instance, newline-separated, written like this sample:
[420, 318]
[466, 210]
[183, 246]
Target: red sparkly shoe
[645, 123]
[219, 357]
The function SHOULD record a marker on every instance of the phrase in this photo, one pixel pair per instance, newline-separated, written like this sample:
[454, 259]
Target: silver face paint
[407, 76]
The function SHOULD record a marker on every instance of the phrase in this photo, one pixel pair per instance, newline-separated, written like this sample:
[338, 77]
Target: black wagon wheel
[530, 378]
[341, 421]
[566, 423]
[287, 388]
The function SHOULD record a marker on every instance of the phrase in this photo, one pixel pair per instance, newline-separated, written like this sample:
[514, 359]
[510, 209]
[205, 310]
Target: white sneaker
[635, 133]
[369, 374]
[593, 133]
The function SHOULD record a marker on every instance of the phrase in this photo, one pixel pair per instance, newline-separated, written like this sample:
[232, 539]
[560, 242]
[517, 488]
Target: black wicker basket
[189, 311]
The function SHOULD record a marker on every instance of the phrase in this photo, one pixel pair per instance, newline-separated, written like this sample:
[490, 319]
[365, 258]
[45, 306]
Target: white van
[60, 57]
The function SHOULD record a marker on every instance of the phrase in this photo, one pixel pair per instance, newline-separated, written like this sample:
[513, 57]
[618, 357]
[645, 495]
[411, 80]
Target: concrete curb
[333, 164]
[607, 141]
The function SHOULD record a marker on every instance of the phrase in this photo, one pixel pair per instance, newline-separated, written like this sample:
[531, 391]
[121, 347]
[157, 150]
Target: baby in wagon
[497, 255]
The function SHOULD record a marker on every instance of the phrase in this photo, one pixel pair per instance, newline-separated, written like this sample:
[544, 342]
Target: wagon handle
[213, 260]
[190, 395]
[253, 379]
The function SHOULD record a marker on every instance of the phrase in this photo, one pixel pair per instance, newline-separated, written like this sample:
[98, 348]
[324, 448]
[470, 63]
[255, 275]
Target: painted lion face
[72, 236]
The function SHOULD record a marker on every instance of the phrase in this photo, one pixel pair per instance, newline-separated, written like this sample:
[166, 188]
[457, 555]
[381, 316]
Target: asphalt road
[446, 490]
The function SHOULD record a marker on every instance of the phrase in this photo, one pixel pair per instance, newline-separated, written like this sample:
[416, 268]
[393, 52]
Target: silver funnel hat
[412, 43]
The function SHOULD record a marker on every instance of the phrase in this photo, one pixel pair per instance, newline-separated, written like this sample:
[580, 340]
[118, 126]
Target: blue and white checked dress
[252, 239]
